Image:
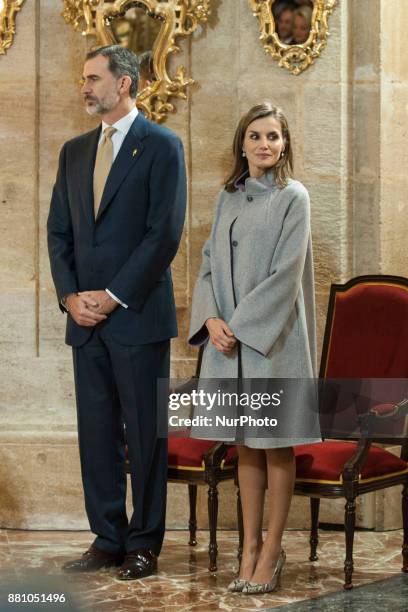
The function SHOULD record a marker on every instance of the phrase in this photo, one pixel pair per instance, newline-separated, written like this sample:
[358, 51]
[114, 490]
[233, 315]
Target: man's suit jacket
[129, 247]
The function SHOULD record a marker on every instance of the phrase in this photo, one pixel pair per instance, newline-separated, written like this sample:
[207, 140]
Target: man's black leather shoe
[92, 560]
[138, 563]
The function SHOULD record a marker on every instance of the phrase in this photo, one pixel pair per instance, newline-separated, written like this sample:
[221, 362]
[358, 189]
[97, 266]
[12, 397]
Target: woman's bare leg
[281, 478]
[252, 478]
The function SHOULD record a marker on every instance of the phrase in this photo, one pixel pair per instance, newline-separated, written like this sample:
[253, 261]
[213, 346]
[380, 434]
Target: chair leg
[349, 523]
[314, 531]
[192, 523]
[405, 526]
[212, 519]
[240, 526]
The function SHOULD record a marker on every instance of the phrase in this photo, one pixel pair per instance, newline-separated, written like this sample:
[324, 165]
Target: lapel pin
[134, 152]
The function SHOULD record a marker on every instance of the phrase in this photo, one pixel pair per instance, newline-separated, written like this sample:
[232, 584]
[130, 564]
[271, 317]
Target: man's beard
[100, 107]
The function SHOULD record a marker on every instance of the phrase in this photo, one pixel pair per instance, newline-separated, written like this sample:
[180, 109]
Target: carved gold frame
[179, 18]
[8, 10]
[295, 58]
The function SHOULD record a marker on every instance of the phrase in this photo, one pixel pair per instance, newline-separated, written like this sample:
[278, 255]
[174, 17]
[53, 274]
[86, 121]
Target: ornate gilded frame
[8, 10]
[179, 18]
[295, 58]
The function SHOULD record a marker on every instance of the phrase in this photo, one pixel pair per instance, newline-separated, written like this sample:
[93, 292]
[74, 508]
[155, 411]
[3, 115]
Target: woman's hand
[220, 335]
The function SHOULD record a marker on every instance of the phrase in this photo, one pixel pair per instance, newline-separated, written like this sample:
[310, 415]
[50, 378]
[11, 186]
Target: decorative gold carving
[178, 18]
[81, 14]
[294, 57]
[8, 10]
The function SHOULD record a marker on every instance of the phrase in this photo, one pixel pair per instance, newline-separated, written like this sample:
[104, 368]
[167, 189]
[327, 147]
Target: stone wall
[347, 117]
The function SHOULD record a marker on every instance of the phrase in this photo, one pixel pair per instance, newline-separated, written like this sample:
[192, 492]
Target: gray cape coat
[257, 275]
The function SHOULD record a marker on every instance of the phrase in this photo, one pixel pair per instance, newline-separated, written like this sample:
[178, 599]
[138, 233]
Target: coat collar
[89, 147]
[129, 154]
[255, 186]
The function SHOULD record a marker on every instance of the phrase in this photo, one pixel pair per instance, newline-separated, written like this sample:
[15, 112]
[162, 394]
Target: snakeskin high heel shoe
[236, 585]
[253, 588]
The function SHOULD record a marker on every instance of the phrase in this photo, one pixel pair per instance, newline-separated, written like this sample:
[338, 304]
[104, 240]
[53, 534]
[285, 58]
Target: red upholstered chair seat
[323, 462]
[188, 453]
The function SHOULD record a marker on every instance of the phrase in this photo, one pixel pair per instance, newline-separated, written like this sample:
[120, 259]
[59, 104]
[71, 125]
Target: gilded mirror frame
[294, 57]
[178, 17]
[8, 10]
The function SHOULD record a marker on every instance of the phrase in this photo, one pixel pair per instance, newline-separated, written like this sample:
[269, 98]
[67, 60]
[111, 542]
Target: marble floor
[30, 563]
[390, 595]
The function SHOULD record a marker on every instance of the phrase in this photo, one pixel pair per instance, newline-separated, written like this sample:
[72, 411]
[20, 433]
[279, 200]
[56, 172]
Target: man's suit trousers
[116, 391]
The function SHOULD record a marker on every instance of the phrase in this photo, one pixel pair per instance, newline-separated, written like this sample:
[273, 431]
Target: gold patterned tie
[103, 163]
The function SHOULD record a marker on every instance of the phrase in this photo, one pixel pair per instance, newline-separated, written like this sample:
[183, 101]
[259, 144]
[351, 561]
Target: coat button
[250, 198]
[234, 243]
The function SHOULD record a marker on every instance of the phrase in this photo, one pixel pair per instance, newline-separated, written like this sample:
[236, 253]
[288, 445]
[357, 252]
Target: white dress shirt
[122, 127]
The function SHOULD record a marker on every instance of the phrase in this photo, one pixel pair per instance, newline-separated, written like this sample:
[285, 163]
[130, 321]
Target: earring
[282, 154]
[243, 153]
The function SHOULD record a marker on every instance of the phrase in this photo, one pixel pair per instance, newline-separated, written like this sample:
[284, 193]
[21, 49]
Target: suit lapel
[88, 164]
[128, 156]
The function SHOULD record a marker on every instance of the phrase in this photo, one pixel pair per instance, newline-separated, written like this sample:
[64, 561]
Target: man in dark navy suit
[115, 222]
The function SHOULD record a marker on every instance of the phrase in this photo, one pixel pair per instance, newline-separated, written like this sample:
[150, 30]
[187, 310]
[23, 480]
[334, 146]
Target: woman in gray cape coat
[253, 307]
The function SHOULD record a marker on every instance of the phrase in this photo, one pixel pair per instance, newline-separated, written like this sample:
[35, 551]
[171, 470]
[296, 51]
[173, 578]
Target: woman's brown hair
[283, 167]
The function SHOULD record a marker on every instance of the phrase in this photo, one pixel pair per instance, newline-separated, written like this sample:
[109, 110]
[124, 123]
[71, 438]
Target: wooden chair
[202, 462]
[366, 337]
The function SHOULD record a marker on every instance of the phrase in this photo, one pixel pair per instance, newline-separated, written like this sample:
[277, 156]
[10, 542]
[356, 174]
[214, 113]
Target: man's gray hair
[122, 62]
